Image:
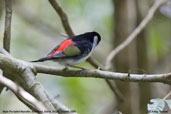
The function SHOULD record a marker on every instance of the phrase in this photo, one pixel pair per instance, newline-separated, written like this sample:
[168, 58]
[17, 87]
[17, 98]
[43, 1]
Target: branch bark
[23, 73]
[22, 94]
[164, 78]
[7, 31]
[16, 66]
[134, 34]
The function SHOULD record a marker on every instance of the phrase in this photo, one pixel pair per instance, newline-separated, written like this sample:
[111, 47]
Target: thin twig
[169, 94]
[21, 93]
[133, 35]
[63, 17]
[7, 31]
[111, 84]
[115, 90]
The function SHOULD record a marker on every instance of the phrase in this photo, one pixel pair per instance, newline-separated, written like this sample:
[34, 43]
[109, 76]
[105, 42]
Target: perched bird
[74, 50]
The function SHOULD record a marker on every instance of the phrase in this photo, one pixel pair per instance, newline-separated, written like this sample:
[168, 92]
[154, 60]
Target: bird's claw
[99, 68]
[66, 68]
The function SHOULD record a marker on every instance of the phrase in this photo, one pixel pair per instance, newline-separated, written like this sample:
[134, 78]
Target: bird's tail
[41, 59]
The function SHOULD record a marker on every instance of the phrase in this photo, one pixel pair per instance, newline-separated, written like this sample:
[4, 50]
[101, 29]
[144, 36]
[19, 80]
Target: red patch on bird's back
[65, 44]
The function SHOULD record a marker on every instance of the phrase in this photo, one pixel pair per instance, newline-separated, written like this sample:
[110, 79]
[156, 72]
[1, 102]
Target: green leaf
[156, 107]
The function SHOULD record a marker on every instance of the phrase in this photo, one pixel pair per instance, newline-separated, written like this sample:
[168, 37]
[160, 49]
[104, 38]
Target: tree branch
[17, 65]
[133, 35]
[23, 73]
[115, 90]
[164, 78]
[7, 31]
[22, 94]
[63, 17]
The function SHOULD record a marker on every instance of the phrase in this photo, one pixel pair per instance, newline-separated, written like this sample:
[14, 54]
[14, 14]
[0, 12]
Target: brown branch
[63, 17]
[111, 84]
[133, 35]
[25, 71]
[17, 66]
[22, 94]
[164, 78]
[115, 90]
[7, 31]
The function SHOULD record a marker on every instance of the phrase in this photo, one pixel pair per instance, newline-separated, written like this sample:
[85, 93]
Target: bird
[73, 50]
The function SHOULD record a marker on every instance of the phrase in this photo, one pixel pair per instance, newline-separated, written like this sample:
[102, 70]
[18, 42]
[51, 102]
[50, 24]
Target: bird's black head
[91, 36]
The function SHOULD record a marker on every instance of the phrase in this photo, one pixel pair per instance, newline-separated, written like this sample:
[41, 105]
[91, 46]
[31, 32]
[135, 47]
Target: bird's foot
[99, 68]
[66, 68]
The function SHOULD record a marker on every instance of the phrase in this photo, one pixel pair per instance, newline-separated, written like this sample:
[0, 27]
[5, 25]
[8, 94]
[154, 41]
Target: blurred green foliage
[160, 34]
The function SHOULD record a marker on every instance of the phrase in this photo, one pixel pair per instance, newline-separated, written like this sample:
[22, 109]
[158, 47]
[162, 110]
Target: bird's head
[93, 37]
